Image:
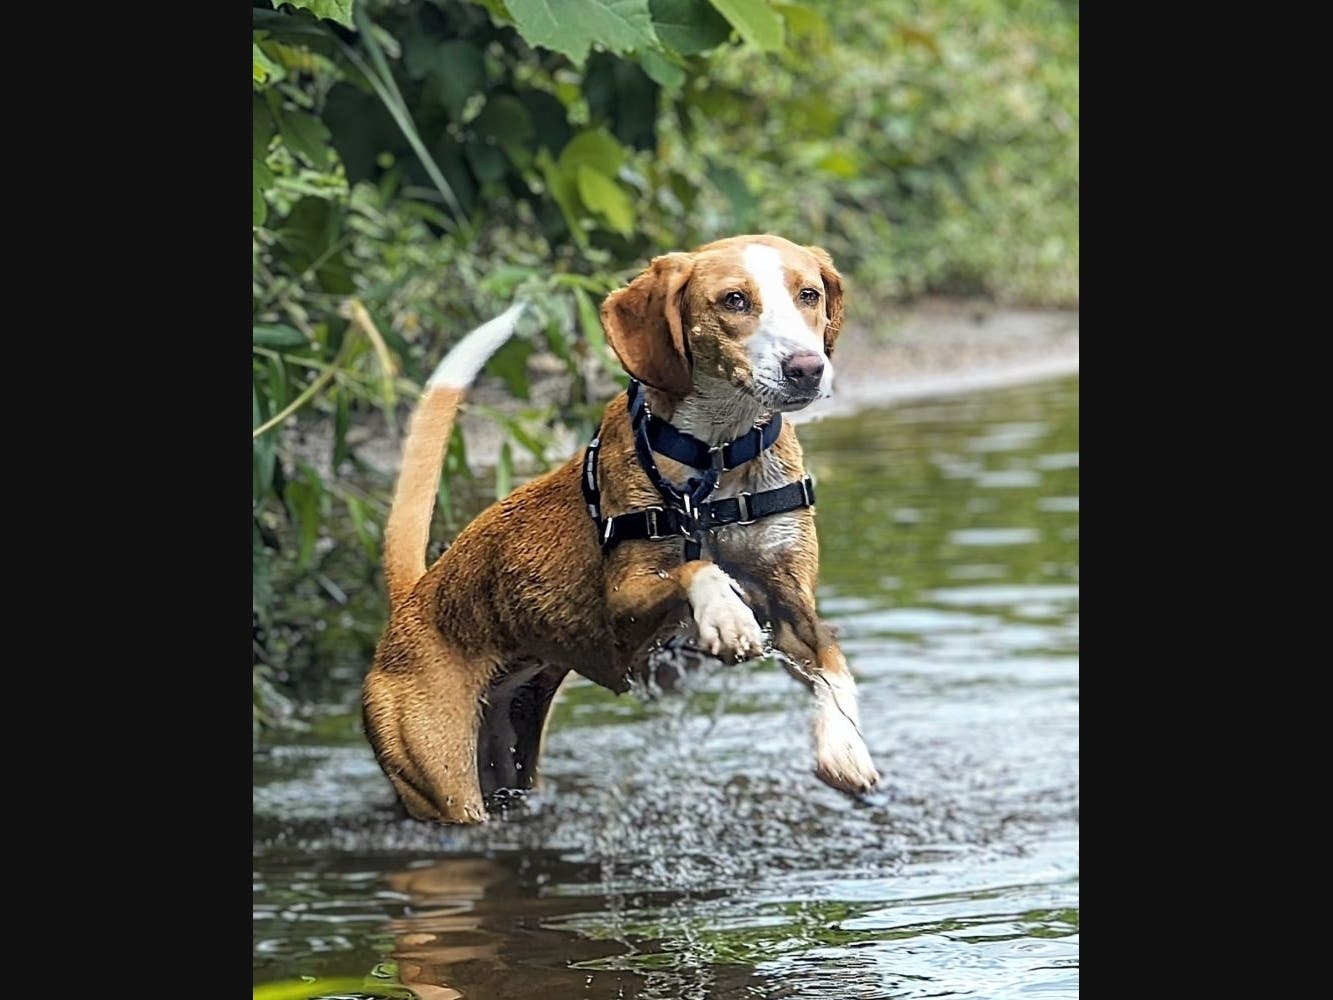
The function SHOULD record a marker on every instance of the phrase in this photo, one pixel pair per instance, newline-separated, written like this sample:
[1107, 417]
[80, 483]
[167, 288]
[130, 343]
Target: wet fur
[476, 647]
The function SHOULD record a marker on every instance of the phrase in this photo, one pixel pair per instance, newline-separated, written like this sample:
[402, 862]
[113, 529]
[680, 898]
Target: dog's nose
[804, 371]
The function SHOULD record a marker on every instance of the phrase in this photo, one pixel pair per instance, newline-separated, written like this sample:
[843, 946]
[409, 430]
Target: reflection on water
[681, 848]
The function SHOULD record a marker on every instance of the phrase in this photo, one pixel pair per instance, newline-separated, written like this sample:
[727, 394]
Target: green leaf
[571, 26]
[456, 69]
[603, 196]
[334, 10]
[445, 496]
[915, 36]
[534, 445]
[558, 342]
[548, 119]
[302, 31]
[803, 21]
[758, 23]
[504, 469]
[487, 162]
[839, 164]
[564, 190]
[363, 527]
[276, 335]
[265, 69]
[661, 69]
[733, 185]
[511, 364]
[263, 452]
[455, 464]
[261, 179]
[302, 497]
[278, 393]
[688, 26]
[301, 989]
[507, 122]
[593, 148]
[455, 456]
[308, 235]
[499, 12]
[308, 137]
[381, 80]
[620, 92]
[261, 126]
[460, 72]
[591, 324]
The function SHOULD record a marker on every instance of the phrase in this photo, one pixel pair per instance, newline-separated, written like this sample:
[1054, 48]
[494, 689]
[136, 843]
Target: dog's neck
[715, 412]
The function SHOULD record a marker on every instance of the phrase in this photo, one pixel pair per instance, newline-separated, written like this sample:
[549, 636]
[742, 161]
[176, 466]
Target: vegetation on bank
[417, 164]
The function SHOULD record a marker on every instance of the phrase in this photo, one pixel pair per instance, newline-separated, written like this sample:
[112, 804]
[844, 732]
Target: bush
[418, 165]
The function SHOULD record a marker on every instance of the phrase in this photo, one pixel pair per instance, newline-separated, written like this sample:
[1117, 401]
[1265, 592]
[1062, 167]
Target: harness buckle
[652, 513]
[688, 525]
[607, 527]
[743, 509]
[806, 488]
[717, 458]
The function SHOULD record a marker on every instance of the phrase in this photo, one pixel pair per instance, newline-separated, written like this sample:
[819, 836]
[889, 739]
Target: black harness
[687, 511]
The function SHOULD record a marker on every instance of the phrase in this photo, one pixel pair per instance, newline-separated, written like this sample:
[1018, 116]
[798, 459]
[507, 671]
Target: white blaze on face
[783, 330]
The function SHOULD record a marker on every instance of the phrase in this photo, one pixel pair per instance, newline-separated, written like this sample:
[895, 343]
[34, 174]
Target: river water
[682, 848]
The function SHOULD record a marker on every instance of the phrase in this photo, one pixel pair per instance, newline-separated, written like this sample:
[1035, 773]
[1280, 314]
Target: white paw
[727, 627]
[841, 757]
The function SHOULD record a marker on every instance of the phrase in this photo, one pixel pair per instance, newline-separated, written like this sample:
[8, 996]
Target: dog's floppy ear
[832, 297]
[644, 325]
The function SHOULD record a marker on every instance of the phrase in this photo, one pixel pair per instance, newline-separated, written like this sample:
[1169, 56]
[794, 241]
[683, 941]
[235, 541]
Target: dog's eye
[809, 296]
[736, 301]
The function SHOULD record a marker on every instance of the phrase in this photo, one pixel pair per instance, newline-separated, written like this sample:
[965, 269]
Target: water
[683, 849]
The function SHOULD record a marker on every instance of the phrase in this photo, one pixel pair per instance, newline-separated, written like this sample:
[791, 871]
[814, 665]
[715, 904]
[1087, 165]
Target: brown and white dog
[476, 646]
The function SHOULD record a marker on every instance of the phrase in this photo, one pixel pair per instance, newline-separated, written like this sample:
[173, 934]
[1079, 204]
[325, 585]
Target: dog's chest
[766, 536]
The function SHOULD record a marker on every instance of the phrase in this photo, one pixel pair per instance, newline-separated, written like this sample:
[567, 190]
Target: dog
[587, 567]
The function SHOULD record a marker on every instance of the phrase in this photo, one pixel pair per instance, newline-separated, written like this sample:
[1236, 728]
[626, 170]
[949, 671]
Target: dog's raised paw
[727, 626]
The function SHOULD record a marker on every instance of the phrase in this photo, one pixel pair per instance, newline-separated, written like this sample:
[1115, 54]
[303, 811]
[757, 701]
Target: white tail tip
[469, 355]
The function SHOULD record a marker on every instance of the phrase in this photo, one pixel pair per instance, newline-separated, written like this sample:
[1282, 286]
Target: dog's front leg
[641, 592]
[841, 757]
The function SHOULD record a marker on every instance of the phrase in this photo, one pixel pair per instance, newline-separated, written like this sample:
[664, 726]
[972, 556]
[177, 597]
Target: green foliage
[418, 165]
[931, 147]
[689, 27]
[334, 10]
[758, 23]
[571, 27]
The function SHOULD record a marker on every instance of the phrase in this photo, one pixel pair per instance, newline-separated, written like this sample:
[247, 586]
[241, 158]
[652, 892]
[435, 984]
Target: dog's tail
[407, 532]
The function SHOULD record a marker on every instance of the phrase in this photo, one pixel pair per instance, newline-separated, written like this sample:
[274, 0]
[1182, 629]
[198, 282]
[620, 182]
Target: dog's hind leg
[513, 727]
[421, 710]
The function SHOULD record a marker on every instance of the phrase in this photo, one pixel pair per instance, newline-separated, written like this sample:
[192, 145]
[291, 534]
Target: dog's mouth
[778, 395]
[791, 403]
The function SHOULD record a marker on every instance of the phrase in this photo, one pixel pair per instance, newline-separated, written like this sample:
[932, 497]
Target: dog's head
[758, 312]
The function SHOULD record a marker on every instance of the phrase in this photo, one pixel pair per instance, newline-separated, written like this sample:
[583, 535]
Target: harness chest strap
[687, 449]
[686, 513]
